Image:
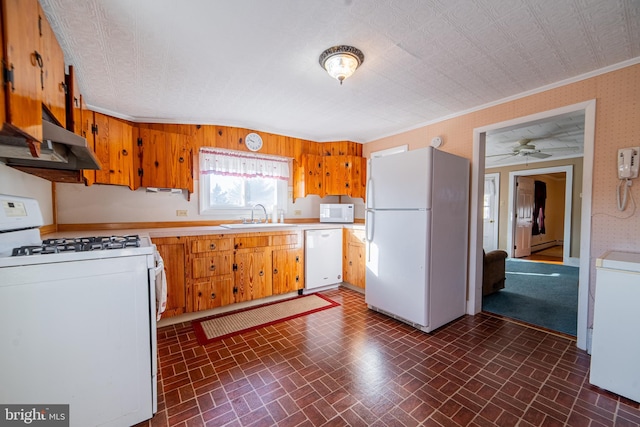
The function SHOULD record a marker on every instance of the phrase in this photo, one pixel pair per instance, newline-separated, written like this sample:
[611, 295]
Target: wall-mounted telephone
[628, 162]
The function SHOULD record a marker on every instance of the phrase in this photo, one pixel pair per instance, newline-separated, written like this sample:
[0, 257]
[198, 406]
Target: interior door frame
[496, 207]
[474, 302]
[568, 199]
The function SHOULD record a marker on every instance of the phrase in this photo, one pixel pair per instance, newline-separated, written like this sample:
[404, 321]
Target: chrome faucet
[263, 210]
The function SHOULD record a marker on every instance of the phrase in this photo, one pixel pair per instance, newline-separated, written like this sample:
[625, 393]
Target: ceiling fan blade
[546, 150]
[503, 154]
[539, 155]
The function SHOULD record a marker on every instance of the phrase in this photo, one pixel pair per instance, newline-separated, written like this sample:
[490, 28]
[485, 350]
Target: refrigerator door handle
[369, 189]
[368, 225]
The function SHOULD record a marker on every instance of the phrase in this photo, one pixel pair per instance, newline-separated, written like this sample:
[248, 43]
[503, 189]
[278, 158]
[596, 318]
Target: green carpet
[541, 294]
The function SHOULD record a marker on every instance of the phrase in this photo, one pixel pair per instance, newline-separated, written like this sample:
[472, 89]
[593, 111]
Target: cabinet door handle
[212, 246]
[125, 153]
[261, 273]
[37, 60]
[275, 271]
[212, 267]
[8, 77]
[181, 159]
[213, 295]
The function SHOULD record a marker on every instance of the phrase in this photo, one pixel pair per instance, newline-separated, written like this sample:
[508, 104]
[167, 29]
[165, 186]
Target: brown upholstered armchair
[493, 273]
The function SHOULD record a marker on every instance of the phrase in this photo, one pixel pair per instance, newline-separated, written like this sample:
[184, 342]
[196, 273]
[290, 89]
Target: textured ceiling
[560, 137]
[254, 64]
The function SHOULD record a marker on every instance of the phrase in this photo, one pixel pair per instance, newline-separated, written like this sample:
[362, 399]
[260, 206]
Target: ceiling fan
[524, 148]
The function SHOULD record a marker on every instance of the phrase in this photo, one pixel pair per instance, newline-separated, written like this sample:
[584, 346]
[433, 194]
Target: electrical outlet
[297, 212]
[181, 212]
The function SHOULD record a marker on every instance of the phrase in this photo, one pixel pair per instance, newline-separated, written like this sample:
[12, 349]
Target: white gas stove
[80, 316]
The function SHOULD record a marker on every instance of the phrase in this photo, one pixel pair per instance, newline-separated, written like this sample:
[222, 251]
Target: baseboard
[545, 245]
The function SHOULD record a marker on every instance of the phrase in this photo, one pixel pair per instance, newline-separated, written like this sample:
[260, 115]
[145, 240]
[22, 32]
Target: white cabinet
[615, 349]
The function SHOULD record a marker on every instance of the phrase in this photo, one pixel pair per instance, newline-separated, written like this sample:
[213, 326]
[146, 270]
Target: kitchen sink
[258, 225]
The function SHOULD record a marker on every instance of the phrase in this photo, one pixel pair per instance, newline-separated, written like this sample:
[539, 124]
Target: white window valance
[240, 163]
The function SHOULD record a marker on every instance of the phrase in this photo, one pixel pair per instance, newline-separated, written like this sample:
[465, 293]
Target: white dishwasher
[322, 259]
[615, 347]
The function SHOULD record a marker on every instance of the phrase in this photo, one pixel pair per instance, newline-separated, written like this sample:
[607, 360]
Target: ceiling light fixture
[341, 61]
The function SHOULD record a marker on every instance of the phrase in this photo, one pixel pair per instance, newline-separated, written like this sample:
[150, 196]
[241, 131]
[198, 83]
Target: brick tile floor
[350, 366]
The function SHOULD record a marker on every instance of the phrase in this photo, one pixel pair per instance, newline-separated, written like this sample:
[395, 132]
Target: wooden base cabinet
[211, 271]
[251, 278]
[354, 262]
[211, 259]
[288, 270]
[212, 293]
[173, 253]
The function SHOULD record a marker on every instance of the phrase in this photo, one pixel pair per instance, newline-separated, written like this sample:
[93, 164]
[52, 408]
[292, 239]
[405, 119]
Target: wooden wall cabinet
[165, 160]
[22, 50]
[34, 65]
[3, 112]
[334, 175]
[113, 142]
[79, 119]
[354, 252]
[308, 176]
[173, 252]
[53, 78]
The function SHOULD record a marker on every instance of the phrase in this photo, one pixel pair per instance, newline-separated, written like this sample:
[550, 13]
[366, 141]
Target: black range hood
[60, 149]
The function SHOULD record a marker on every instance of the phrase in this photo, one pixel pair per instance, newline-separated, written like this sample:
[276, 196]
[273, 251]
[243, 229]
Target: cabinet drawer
[213, 265]
[251, 242]
[210, 245]
[284, 239]
[212, 293]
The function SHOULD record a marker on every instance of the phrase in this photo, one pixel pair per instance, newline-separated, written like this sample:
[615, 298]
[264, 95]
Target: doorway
[477, 189]
[569, 229]
[540, 289]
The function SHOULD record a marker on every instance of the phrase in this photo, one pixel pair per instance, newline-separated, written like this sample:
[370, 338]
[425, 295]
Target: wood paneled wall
[233, 138]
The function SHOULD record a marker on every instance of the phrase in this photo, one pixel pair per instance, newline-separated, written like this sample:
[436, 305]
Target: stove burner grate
[78, 244]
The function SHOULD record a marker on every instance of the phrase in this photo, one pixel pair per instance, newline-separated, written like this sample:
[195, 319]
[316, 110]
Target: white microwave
[336, 212]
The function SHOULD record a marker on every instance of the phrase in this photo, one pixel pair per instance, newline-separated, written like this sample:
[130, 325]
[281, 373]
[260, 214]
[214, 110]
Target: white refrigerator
[416, 228]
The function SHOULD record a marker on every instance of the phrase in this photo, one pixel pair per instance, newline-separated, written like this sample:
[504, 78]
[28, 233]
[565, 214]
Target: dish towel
[161, 287]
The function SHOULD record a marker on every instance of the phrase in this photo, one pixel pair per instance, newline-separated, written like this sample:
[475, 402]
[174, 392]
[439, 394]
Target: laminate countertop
[202, 230]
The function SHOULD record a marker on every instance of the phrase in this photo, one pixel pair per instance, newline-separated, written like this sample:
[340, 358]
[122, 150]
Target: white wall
[78, 204]
[16, 183]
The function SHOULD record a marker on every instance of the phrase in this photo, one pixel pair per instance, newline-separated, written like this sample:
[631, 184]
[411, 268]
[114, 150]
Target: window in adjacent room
[231, 182]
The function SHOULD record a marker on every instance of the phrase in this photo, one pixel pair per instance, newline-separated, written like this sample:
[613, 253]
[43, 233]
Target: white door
[524, 215]
[490, 211]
